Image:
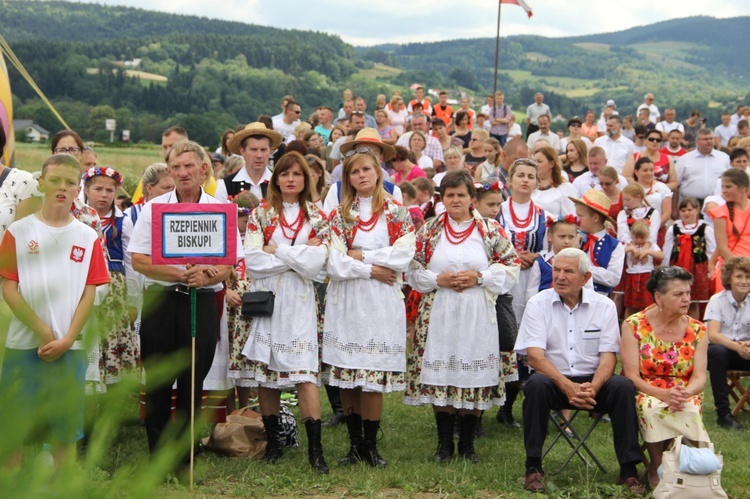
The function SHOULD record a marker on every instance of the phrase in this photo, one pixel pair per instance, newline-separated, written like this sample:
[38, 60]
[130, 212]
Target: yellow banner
[6, 113]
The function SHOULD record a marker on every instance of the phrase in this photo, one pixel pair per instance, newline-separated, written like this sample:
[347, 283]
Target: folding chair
[739, 392]
[576, 441]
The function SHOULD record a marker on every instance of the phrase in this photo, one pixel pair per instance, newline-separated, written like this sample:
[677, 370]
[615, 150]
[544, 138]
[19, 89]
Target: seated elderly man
[571, 339]
[727, 318]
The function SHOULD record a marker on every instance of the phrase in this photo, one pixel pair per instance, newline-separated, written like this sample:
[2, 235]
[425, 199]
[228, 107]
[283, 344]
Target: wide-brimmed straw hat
[369, 137]
[252, 130]
[597, 201]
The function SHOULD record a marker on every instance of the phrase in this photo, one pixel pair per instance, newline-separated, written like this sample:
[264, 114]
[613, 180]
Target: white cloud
[401, 21]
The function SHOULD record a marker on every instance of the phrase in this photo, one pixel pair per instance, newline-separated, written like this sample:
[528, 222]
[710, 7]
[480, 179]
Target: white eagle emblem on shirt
[76, 254]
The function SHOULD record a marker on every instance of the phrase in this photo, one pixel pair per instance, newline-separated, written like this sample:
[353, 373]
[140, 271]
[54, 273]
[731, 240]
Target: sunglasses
[654, 139]
[360, 150]
[68, 150]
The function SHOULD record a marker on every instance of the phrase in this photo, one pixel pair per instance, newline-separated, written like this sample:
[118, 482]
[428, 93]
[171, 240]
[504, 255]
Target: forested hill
[150, 70]
[86, 22]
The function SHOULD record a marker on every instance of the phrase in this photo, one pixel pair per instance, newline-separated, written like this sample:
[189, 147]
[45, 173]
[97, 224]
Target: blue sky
[401, 21]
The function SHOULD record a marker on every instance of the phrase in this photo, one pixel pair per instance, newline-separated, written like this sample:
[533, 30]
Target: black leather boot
[445, 447]
[334, 397]
[314, 447]
[466, 438]
[354, 427]
[274, 449]
[370, 448]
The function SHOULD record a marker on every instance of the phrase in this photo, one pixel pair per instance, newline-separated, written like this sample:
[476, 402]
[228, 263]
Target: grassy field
[381, 70]
[571, 87]
[131, 162]
[408, 444]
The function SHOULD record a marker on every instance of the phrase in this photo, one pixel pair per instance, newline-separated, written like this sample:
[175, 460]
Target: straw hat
[256, 129]
[597, 201]
[369, 137]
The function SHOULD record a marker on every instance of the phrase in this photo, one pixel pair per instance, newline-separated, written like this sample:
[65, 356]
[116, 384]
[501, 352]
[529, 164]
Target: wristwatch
[480, 280]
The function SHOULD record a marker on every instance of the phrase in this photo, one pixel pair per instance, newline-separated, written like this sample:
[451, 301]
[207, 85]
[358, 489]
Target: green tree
[97, 119]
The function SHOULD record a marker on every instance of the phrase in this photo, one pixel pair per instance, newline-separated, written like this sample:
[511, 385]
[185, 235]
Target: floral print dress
[665, 364]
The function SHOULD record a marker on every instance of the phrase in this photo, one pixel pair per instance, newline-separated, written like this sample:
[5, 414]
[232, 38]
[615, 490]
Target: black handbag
[258, 304]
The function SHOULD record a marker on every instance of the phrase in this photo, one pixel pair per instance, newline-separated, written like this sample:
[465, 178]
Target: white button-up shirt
[697, 174]
[571, 338]
[243, 176]
[733, 317]
[140, 240]
[618, 151]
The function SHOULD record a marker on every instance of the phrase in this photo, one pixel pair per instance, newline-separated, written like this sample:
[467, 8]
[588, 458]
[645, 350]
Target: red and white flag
[522, 4]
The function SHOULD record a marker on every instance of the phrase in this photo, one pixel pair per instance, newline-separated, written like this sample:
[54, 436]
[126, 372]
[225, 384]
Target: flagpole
[497, 54]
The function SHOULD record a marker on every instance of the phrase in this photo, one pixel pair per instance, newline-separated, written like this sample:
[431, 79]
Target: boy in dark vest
[606, 253]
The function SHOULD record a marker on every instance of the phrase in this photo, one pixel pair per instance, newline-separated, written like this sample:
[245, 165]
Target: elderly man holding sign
[176, 235]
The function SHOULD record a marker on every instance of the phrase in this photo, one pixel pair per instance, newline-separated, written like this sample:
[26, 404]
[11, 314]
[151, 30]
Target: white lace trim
[452, 402]
[365, 385]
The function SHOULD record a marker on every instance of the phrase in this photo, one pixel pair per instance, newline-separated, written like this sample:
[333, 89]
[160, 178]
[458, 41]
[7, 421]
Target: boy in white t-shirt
[51, 264]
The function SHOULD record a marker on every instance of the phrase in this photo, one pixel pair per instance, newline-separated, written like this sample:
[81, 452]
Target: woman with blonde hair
[299, 131]
[364, 333]
[552, 191]
[397, 114]
[576, 159]
[492, 153]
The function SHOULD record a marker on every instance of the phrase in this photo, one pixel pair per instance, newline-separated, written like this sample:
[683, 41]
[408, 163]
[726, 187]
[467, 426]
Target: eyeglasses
[360, 150]
[68, 150]
[654, 139]
[575, 125]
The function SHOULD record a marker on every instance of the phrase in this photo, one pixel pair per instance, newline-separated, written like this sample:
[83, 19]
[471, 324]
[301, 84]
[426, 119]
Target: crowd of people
[420, 248]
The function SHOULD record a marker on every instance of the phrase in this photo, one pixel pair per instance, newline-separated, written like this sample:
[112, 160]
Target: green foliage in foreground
[117, 464]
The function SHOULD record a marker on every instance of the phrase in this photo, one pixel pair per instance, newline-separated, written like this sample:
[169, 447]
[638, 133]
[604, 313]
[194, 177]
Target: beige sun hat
[252, 130]
[597, 201]
[369, 137]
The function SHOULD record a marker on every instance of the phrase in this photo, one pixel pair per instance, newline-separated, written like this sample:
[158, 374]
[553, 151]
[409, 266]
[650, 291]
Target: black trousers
[165, 331]
[616, 398]
[720, 360]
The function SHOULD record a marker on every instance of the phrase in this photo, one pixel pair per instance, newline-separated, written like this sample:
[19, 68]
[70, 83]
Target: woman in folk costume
[119, 344]
[463, 262]
[286, 247]
[525, 223]
[364, 339]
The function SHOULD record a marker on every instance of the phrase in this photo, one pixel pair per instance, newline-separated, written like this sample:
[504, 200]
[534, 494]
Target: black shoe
[274, 449]
[466, 439]
[354, 427]
[314, 447]
[505, 416]
[352, 457]
[445, 448]
[336, 419]
[729, 422]
[369, 450]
